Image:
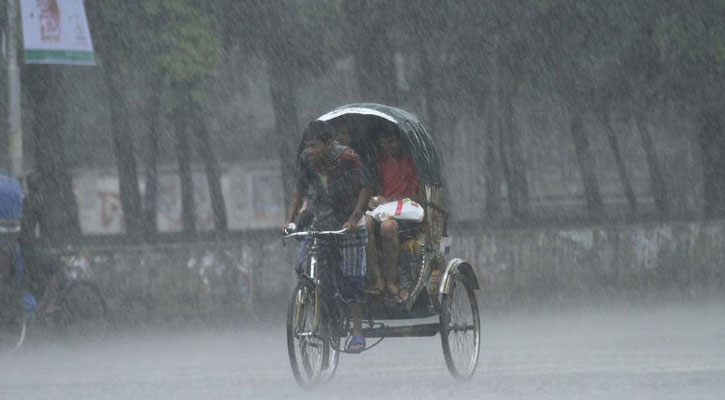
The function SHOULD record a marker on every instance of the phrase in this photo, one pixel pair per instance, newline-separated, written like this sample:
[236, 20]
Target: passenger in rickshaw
[330, 175]
[341, 133]
[397, 180]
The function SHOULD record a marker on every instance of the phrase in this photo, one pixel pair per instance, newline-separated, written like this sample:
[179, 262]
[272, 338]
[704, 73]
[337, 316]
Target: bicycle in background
[81, 316]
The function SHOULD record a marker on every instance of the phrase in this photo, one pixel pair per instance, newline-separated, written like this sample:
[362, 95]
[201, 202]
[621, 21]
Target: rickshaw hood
[418, 140]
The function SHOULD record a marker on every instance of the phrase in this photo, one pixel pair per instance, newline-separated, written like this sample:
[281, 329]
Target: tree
[576, 30]
[369, 25]
[296, 41]
[490, 49]
[687, 41]
[712, 142]
[111, 22]
[603, 115]
[42, 83]
[644, 74]
[187, 50]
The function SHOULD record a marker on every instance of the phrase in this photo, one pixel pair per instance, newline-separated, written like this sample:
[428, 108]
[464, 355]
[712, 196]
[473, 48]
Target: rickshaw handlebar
[315, 233]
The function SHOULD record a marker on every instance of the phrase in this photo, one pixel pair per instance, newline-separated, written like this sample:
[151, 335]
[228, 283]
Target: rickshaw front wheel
[460, 328]
[312, 345]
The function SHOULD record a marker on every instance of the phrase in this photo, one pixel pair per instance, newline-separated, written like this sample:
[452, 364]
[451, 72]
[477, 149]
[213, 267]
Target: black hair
[317, 130]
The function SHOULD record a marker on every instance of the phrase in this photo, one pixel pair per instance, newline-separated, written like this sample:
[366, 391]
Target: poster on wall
[56, 32]
[252, 196]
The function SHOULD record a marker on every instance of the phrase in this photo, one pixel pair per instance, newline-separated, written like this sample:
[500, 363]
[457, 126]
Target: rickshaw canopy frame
[417, 139]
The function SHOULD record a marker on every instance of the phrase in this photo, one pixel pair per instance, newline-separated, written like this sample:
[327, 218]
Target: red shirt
[397, 176]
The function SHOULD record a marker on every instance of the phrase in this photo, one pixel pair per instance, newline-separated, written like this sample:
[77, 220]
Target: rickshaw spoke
[461, 335]
[304, 342]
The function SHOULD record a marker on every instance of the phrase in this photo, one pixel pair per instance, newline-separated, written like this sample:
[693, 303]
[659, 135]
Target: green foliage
[576, 47]
[186, 49]
[174, 37]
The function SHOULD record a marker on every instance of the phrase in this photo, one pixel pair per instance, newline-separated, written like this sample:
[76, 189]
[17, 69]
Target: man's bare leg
[356, 316]
[373, 256]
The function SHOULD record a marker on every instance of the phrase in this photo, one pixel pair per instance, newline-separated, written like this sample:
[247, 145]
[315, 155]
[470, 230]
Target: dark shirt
[332, 185]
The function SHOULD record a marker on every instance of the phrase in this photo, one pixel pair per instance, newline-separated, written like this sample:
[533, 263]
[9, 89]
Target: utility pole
[15, 145]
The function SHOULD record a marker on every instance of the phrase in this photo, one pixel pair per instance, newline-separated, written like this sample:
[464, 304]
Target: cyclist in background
[12, 269]
[42, 268]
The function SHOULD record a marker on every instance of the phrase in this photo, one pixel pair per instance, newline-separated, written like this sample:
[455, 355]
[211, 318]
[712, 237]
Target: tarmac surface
[672, 351]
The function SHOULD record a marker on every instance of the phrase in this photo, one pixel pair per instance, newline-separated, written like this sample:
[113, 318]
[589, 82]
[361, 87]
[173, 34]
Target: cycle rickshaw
[318, 323]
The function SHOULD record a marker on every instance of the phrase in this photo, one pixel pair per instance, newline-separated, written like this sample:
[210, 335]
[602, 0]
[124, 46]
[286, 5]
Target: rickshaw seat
[408, 245]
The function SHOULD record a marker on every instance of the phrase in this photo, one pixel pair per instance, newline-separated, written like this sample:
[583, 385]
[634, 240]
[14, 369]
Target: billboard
[56, 32]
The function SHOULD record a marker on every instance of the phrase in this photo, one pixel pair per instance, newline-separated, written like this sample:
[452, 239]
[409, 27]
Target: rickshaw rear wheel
[312, 343]
[460, 328]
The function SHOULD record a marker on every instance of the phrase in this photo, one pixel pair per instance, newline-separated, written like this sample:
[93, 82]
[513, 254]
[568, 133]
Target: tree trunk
[429, 90]
[495, 157]
[123, 147]
[153, 116]
[587, 166]
[284, 103]
[659, 188]
[182, 123]
[281, 74]
[114, 51]
[621, 168]
[43, 85]
[513, 159]
[213, 170]
[712, 143]
[491, 173]
[373, 52]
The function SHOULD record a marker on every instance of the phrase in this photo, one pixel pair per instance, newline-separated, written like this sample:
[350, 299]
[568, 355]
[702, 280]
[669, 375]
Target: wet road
[667, 352]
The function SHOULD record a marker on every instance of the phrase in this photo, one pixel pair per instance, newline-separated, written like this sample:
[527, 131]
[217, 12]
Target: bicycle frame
[313, 250]
[312, 273]
[316, 330]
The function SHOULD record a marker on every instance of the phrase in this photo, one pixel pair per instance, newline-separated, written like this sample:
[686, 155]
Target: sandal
[356, 345]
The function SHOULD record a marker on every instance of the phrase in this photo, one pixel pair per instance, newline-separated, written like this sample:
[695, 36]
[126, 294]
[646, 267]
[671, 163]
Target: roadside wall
[618, 263]
[516, 268]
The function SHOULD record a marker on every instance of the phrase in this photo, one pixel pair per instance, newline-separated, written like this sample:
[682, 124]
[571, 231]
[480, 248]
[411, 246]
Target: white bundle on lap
[404, 209]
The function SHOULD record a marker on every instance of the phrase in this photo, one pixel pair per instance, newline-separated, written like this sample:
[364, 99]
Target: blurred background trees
[544, 110]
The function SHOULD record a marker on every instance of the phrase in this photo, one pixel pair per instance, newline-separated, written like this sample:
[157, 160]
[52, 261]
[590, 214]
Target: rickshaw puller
[331, 177]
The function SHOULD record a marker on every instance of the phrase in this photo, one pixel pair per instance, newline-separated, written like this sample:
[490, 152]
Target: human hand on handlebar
[288, 228]
[349, 225]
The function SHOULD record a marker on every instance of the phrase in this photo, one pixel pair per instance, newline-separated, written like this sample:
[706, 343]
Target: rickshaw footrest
[402, 331]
